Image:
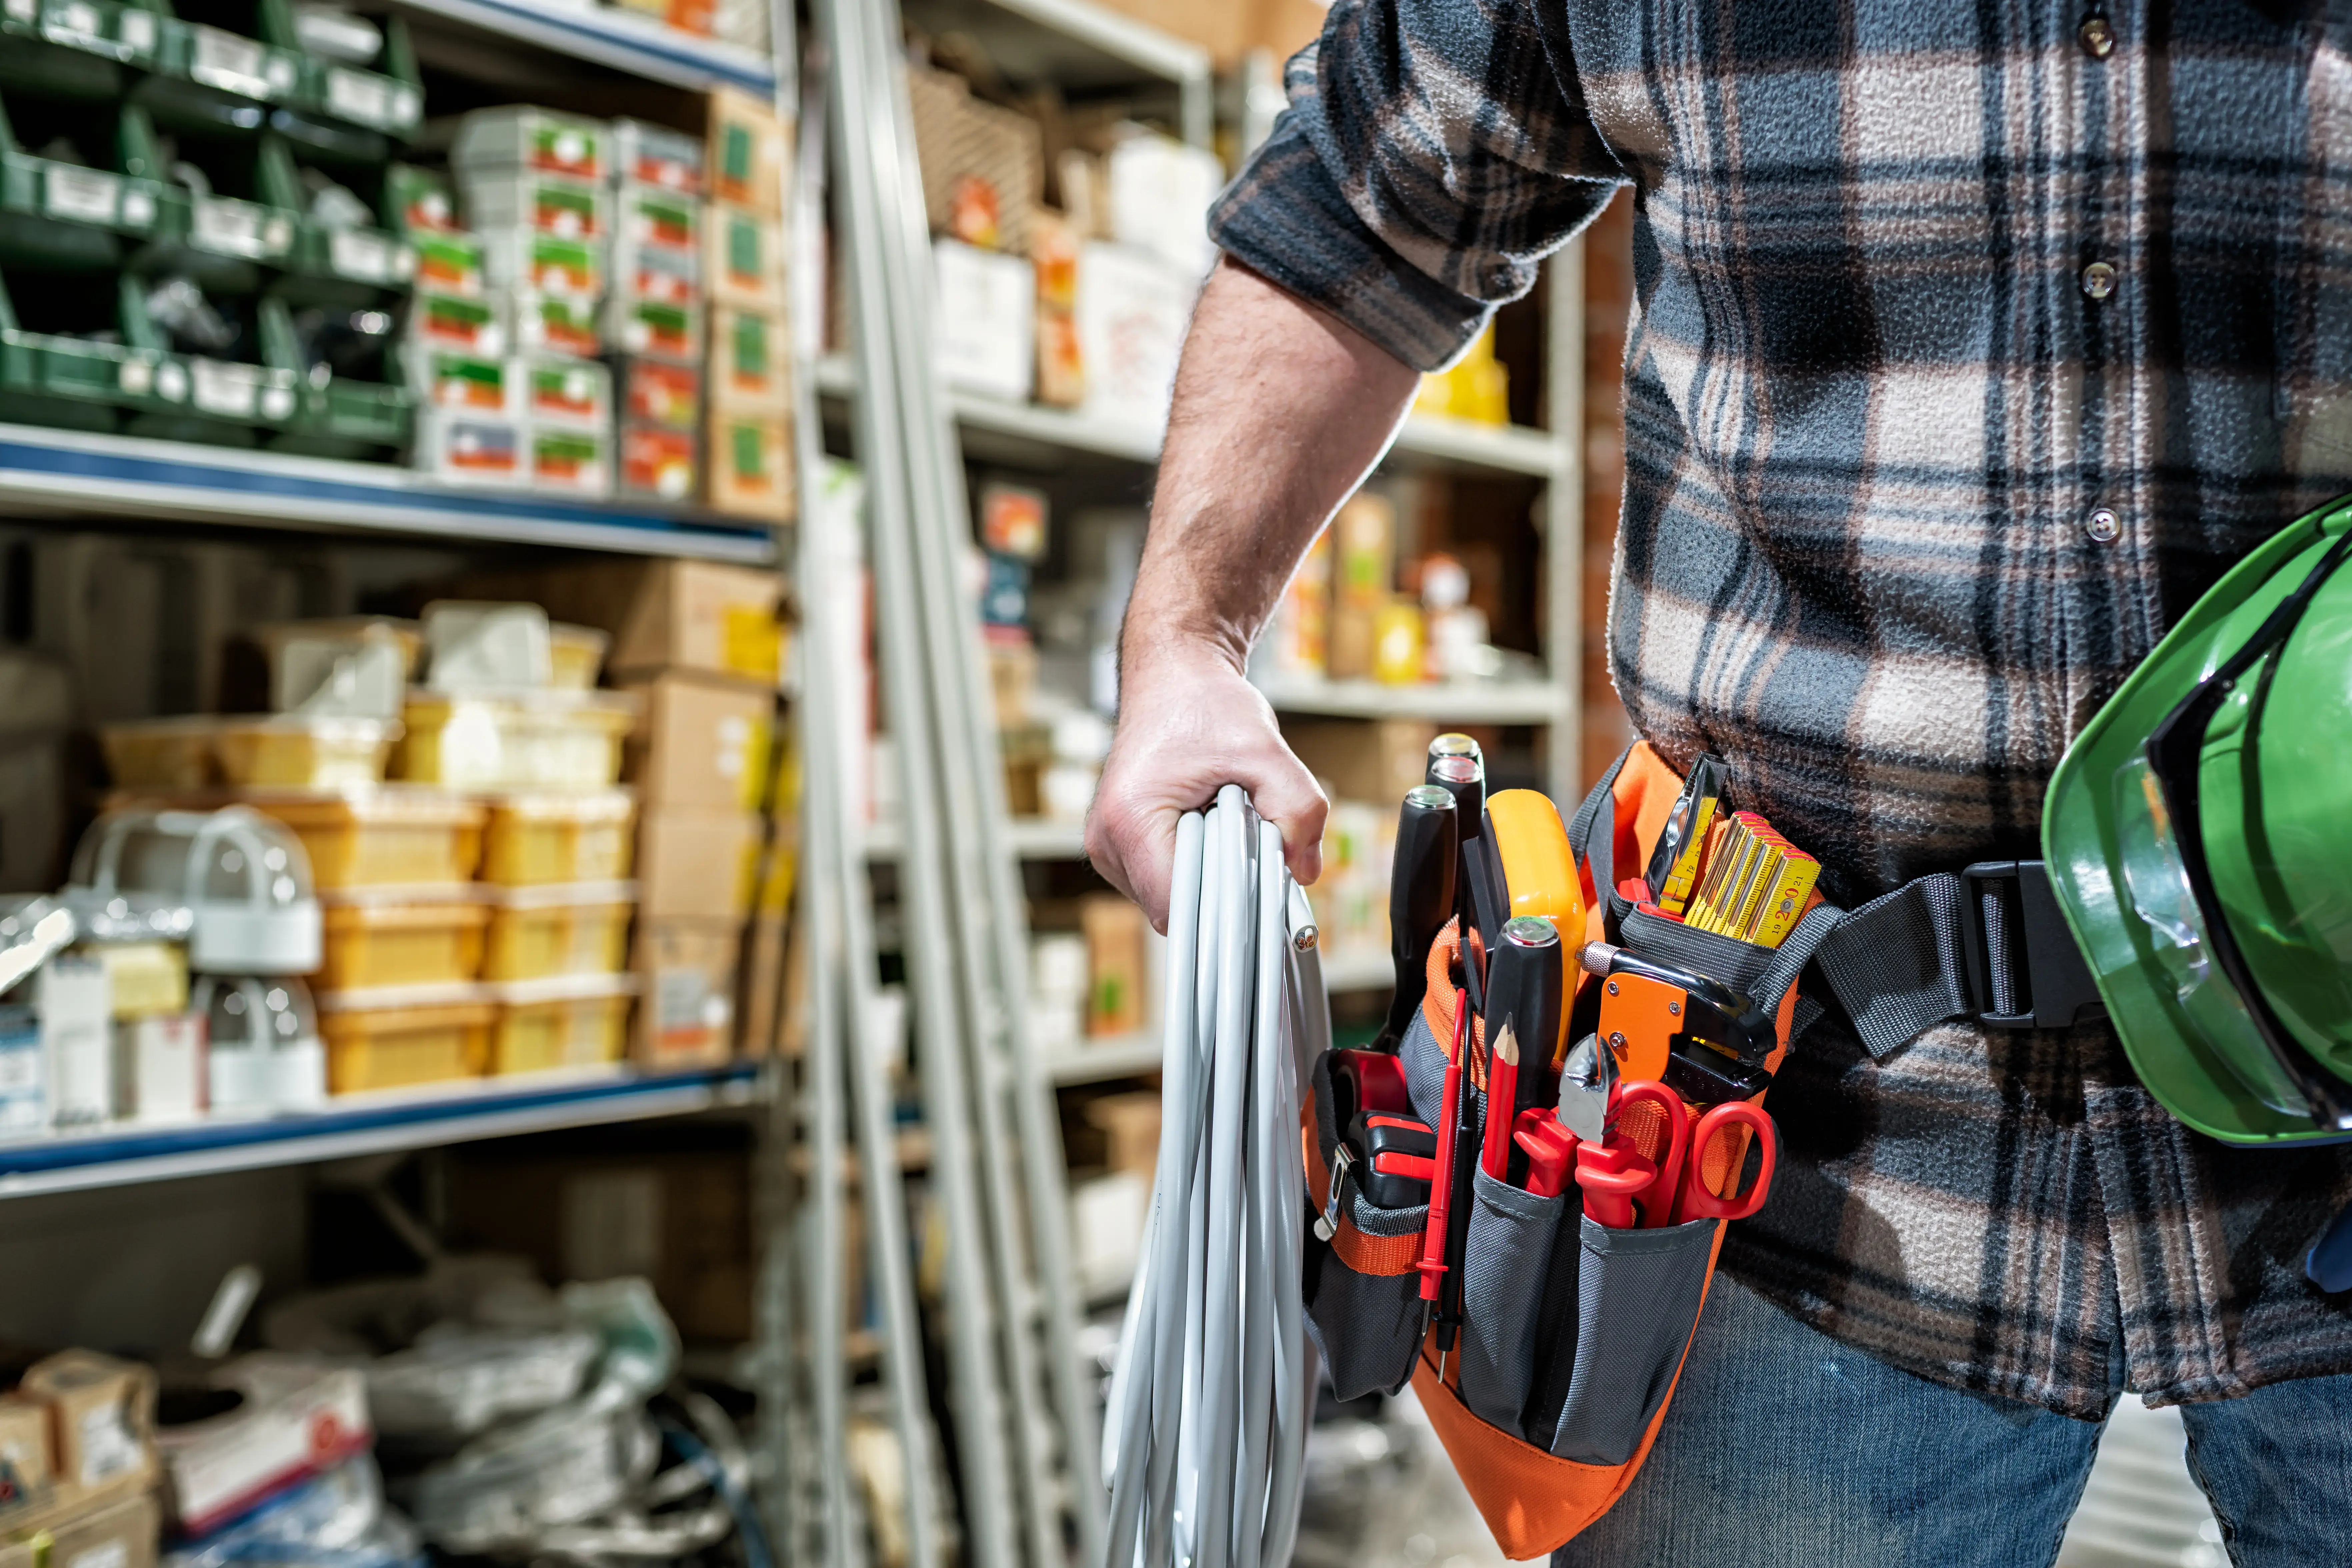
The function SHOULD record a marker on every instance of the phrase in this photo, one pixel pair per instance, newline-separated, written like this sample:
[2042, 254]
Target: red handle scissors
[1678, 1193]
[1693, 1199]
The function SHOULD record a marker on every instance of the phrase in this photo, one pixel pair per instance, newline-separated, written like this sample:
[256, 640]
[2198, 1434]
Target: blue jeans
[1787, 1449]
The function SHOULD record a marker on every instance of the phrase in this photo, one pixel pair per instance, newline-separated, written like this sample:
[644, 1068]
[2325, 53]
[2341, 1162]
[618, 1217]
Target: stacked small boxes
[698, 646]
[749, 432]
[654, 314]
[531, 184]
[454, 347]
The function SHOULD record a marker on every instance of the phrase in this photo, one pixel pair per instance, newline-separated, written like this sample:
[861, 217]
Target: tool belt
[1572, 1333]
[1986, 944]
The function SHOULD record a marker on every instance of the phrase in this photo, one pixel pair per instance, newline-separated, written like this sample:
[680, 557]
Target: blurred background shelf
[373, 1125]
[1098, 1059]
[621, 41]
[1456, 703]
[1360, 971]
[47, 473]
[1031, 837]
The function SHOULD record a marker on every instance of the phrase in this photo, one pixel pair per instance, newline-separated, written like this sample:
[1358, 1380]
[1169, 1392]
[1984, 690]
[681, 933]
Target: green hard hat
[2199, 837]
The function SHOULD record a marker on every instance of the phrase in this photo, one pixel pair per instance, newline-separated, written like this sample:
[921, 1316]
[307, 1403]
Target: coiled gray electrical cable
[1206, 1442]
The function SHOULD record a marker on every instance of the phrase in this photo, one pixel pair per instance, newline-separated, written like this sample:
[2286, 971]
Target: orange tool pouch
[1573, 1334]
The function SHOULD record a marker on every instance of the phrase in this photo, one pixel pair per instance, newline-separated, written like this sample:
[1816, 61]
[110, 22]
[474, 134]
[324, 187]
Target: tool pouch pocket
[1505, 1264]
[1363, 1291]
[1637, 1301]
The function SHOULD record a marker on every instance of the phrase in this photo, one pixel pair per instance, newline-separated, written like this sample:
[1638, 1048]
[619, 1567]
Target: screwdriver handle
[1421, 897]
[1526, 982]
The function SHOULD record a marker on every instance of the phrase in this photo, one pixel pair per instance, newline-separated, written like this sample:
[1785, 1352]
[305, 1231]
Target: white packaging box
[1133, 309]
[1159, 195]
[74, 998]
[24, 1101]
[461, 447]
[1108, 1215]
[522, 199]
[986, 319]
[160, 1074]
[567, 459]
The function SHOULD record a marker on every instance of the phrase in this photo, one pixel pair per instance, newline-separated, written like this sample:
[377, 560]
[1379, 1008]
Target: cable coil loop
[1205, 1446]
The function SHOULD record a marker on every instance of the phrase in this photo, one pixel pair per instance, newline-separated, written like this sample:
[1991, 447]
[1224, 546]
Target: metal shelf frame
[367, 1124]
[606, 36]
[52, 473]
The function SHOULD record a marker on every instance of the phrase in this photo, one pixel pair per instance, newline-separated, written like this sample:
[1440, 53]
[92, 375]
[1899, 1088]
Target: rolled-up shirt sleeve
[1435, 151]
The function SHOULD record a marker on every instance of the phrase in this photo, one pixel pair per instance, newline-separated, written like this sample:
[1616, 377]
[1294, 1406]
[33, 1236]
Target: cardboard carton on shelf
[747, 153]
[663, 615]
[25, 1467]
[696, 865]
[101, 1422]
[119, 1531]
[1376, 760]
[685, 1008]
[748, 471]
[701, 742]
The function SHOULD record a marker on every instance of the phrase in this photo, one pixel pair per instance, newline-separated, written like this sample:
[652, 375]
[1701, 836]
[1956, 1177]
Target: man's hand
[1190, 723]
[1279, 412]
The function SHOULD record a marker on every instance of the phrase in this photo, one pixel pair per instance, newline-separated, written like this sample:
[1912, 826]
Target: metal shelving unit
[367, 1124]
[53, 473]
[624, 41]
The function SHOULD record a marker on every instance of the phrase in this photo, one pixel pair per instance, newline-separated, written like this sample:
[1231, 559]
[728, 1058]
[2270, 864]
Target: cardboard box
[983, 167]
[117, 1534]
[1375, 761]
[748, 152]
[1133, 312]
[762, 1004]
[696, 865]
[685, 1008]
[74, 997]
[701, 742]
[102, 1418]
[749, 467]
[985, 320]
[1115, 964]
[1130, 1128]
[297, 1419]
[161, 1074]
[743, 258]
[25, 1466]
[750, 362]
[687, 614]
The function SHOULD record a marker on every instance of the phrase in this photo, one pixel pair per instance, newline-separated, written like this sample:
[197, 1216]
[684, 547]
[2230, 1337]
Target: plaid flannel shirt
[1973, 343]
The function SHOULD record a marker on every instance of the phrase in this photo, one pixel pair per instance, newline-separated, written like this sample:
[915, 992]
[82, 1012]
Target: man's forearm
[1279, 412]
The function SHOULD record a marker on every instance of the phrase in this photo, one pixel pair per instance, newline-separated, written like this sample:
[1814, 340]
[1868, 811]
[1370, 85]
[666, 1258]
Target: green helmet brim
[2191, 1043]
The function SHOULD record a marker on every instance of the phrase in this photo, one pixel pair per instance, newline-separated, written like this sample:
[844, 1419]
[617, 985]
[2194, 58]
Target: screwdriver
[1525, 984]
[1458, 766]
[1421, 897]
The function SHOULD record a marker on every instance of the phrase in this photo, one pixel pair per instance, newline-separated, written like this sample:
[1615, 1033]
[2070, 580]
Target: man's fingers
[1286, 796]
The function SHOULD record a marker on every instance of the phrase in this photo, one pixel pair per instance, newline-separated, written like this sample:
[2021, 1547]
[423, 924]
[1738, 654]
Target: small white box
[1108, 1215]
[74, 998]
[160, 1073]
[1159, 195]
[461, 448]
[535, 203]
[985, 317]
[23, 1098]
[1133, 309]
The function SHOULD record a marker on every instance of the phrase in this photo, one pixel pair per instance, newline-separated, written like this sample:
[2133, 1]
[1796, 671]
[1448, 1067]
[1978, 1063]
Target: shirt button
[2104, 525]
[2098, 279]
[2098, 38]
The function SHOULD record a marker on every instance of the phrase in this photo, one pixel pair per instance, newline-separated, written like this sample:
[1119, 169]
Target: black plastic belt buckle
[2052, 986]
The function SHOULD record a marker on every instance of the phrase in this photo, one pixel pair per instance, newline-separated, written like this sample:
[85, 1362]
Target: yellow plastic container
[533, 839]
[563, 928]
[432, 937]
[531, 740]
[268, 749]
[395, 1039]
[293, 750]
[371, 838]
[566, 1024]
[578, 654]
[159, 754]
